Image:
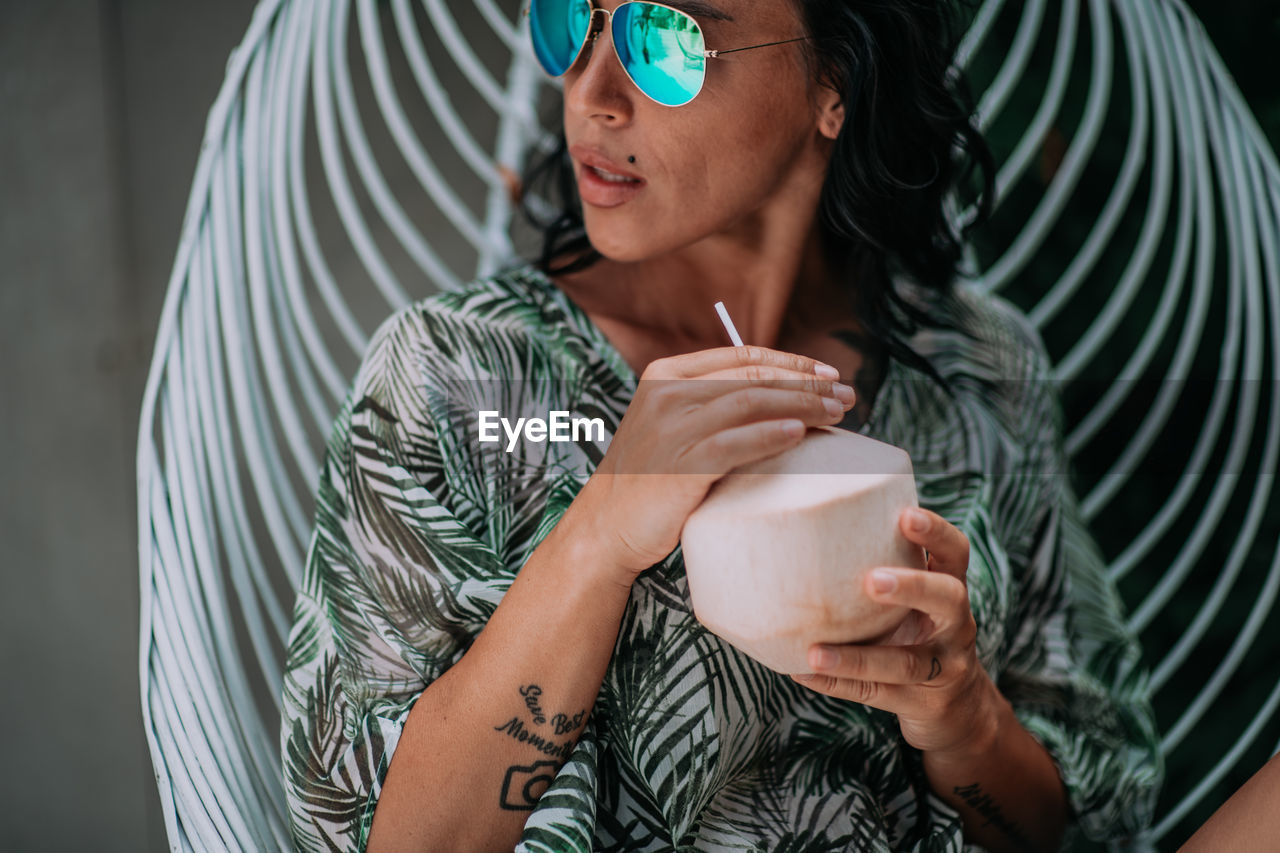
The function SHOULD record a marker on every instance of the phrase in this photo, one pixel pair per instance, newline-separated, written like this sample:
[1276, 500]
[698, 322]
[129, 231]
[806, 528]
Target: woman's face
[749, 147]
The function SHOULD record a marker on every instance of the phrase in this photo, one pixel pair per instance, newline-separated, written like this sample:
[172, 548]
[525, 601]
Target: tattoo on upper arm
[524, 785]
[981, 802]
[935, 669]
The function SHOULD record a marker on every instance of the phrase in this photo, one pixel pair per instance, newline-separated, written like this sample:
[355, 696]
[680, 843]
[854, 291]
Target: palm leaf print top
[420, 529]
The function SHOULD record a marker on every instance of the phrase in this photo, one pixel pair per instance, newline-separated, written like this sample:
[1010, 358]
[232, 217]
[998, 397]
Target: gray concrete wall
[102, 108]
[102, 113]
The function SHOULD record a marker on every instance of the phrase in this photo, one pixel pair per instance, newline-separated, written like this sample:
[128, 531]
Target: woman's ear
[831, 121]
[830, 110]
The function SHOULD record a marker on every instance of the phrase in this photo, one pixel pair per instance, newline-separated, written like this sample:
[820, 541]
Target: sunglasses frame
[592, 34]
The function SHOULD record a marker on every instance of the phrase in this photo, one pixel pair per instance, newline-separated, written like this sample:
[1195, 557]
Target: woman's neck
[670, 300]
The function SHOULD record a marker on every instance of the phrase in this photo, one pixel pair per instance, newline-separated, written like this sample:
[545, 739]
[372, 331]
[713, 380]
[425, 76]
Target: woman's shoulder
[992, 355]
[990, 337]
[507, 300]
[468, 330]
[480, 330]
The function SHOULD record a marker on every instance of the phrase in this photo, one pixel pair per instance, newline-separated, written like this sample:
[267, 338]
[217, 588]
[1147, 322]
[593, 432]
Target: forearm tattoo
[524, 785]
[517, 731]
[982, 803]
[562, 723]
[532, 693]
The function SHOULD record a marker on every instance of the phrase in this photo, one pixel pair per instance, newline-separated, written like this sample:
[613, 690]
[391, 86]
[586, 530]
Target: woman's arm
[485, 739]
[976, 753]
[1004, 784]
[1246, 822]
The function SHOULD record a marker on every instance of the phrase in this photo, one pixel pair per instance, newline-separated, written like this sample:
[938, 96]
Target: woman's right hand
[679, 436]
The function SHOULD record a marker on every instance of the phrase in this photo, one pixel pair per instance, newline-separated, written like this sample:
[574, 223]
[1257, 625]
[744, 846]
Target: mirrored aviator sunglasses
[661, 48]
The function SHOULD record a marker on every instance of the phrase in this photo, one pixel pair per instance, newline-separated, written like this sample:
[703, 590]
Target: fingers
[948, 547]
[731, 384]
[886, 697]
[942, 597]
[729, 448]
[880, 664]
[702, 362]
[929, 684]
[721, 382]
[757, 403]
[713, 394]
[897, 679]
[745, 426]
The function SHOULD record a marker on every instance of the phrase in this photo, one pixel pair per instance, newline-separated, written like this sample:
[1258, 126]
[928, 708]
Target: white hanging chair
[1165, 285]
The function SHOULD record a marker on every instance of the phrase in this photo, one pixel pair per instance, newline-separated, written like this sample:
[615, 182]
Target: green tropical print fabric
[420, 529]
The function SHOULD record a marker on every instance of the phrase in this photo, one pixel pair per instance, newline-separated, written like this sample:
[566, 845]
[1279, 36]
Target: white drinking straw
[728, 324]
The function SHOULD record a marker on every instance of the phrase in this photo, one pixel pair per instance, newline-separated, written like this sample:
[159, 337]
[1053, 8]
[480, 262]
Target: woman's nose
[597, 86]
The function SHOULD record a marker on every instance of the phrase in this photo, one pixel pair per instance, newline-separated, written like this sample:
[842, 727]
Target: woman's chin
[621, 247]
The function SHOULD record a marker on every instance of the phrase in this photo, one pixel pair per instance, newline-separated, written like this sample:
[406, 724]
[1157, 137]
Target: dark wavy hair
[908, 140]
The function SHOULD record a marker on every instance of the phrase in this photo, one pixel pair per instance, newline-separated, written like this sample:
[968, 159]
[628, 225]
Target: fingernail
[918, 520]
[826, 371]
[843, 392]
[884, 581]
[832, 406]
[823, 658]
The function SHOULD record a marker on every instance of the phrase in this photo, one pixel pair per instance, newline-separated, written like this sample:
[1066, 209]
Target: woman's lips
[599, 192]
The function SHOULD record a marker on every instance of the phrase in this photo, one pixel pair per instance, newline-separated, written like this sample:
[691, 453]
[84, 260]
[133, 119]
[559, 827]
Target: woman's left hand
[927, 672]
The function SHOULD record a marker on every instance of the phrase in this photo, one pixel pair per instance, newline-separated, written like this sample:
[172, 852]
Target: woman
[493, 646]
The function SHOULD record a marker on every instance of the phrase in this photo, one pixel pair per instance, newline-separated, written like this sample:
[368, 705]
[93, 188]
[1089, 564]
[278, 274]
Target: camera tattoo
[524, 785]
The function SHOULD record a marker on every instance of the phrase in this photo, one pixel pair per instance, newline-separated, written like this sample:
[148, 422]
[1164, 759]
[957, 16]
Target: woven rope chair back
[349, 166]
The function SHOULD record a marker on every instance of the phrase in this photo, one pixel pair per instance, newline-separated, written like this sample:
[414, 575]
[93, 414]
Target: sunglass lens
[558, 29]
[661, 49]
